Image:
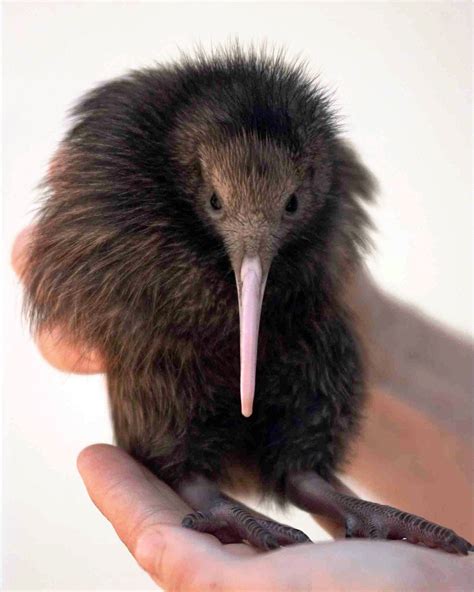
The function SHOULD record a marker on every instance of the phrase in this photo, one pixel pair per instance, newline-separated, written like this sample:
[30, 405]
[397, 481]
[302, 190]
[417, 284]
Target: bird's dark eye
[292, 204]
[215, 202]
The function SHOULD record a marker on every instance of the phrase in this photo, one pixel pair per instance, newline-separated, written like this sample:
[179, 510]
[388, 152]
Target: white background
[401, 73]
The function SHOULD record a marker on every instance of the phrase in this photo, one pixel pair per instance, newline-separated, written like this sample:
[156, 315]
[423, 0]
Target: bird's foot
[361, 518]
[231, 522]
[376, 521]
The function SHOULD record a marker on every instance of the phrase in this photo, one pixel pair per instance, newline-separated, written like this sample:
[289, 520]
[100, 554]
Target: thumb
[147, 514]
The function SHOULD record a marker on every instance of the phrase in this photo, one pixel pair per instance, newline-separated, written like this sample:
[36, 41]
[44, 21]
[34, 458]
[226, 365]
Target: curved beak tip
[247, 412]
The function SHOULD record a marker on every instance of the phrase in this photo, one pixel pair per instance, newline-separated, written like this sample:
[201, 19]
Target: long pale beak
[250, 286]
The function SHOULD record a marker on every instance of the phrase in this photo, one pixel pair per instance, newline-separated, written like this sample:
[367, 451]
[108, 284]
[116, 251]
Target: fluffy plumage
[128, 259]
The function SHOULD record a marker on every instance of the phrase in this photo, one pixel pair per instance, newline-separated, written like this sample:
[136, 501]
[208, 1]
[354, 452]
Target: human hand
[53, 344]
[147, 514]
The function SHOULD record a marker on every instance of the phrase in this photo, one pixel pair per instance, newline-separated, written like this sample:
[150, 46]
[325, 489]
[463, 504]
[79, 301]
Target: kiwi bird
[200, 224]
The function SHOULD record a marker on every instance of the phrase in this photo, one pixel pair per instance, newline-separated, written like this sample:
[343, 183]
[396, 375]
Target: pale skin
[402, 431]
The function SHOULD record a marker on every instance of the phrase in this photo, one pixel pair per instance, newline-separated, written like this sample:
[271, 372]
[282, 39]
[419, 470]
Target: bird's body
[170, 181]
[302, 416]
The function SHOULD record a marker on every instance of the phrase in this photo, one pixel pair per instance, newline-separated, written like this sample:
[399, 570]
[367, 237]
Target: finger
[53, 343]
[111, 476]
[20, 250]
[359, 565]
[66, 356]
[146, 515]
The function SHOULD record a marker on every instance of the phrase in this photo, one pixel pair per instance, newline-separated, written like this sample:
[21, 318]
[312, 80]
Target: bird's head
[260, 155]
[256, 196]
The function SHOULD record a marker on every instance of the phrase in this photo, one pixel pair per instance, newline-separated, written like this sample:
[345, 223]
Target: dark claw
[191, 520]
[462, 546]
[270, 543]
[187, 522]
[301, 537]
[352, 527]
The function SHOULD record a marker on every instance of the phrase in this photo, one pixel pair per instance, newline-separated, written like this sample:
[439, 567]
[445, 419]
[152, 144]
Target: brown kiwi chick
[200, 225]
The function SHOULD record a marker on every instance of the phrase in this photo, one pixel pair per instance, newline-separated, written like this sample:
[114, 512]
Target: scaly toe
[284, 534]
[201, 522]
